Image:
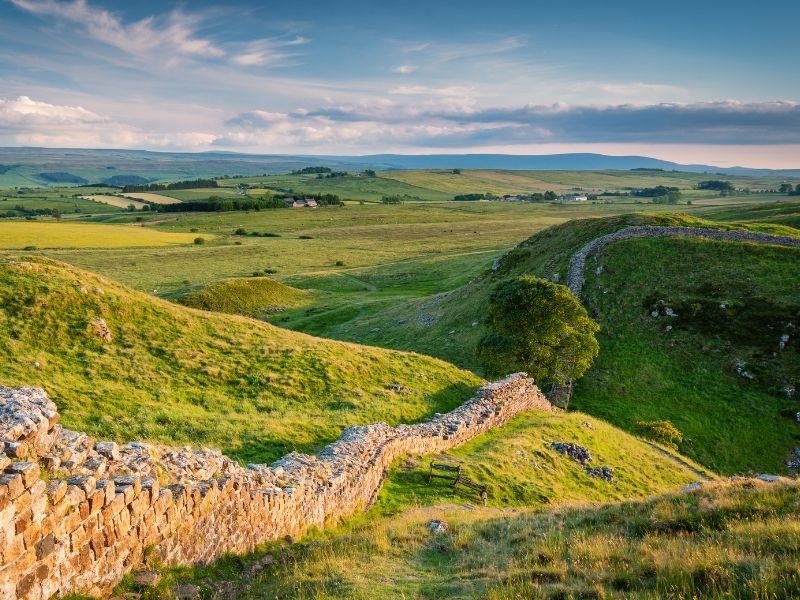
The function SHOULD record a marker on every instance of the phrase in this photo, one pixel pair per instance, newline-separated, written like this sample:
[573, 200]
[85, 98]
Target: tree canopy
[538, 327]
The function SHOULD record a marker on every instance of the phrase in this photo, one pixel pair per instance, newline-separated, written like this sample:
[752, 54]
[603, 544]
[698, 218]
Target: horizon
[334, 80]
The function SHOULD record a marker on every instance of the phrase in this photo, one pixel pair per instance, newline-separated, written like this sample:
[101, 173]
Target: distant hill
[24, 166]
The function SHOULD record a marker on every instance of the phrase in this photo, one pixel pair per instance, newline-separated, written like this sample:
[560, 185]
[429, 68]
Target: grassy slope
[688, 375]
[641, 374]
[179, 375]
[785, 211]
[733, 539]
[253, 297]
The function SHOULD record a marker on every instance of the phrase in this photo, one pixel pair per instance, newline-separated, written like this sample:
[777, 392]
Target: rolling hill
[690, 374]
[123, 365]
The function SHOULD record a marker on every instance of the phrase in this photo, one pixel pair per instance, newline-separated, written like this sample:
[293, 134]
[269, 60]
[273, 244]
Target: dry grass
[154, 198]
[115, 201]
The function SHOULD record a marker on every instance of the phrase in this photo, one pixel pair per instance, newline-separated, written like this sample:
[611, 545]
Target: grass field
[117, 201]
[21, 234]
[154, 198]
[179, 375]
[254, 297]
[731, 539]
[689, 376]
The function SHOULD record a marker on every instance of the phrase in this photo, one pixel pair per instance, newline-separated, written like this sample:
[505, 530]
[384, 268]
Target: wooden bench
[453, 473]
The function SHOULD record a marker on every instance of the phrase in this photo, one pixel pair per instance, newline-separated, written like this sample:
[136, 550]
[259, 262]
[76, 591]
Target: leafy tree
[786, 188]
[538, 327]
[550, 196]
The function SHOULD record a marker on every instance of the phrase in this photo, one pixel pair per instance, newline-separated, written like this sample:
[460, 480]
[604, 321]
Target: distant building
[509, 198]
[301, 202]
[572, 198]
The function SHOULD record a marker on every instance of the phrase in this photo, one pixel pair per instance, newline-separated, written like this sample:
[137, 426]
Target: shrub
[663, 432]
[30, 248]
[241, 231]
[270, 271]
[339, 263]
[270, 234]
[199, 240]
[304, 237]
[193, 230]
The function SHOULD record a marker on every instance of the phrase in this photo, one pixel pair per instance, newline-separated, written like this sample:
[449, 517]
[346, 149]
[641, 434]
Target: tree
[538, 327]
[550, 196]
[786, 188]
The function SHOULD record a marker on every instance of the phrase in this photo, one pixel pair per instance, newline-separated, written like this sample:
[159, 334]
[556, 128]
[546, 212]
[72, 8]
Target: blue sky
[704, 81]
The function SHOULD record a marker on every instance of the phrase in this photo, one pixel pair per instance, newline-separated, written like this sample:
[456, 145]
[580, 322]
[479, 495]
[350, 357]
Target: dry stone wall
[577, 264]
[76, 514]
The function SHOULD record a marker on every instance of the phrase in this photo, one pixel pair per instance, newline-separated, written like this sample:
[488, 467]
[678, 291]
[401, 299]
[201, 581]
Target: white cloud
[267, 52]
[28, 122]
[404, 69]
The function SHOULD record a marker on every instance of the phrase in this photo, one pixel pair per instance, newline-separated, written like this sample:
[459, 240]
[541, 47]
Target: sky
[707, 81]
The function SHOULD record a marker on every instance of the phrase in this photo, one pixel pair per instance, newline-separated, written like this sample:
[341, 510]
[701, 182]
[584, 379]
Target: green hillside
[178, 375]
[731, 423]
[252, 297]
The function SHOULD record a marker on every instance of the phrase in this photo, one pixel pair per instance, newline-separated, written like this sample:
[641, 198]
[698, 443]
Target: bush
[30, 248]
[199, 240]
[304, 237]
[270, 271]
[339, 263]
[242, 231]
[193, 230]
[663, 432]
[270, 234]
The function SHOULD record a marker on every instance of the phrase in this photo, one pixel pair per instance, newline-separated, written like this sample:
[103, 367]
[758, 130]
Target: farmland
[20, 235]
[115, 201]
[153, 198]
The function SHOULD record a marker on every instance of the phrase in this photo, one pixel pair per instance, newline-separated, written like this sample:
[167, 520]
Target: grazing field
[731, 539]
[154, 198]
[117, 201]
[17, 235]
[179, 375]
[203, 193]
[358, 236]
[511, 181]
[730, 424]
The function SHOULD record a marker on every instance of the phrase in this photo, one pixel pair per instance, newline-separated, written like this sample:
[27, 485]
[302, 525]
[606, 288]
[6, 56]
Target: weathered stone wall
[577, 263]
[76, 515]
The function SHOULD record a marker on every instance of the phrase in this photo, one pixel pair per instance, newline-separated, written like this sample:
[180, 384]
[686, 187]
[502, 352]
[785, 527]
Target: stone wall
[76, 515]
[577, 263]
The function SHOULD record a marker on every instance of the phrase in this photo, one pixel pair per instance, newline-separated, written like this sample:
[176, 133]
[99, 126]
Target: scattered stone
[654, 314]
[438, 527]
[693, 486]
[475, 323]
[605, 473]
[185, 591]
[669, 312]
[740, 367]
[668, 328]
[587, 425]
[794, 460]
[146, 578]
[783, 341]
[574, 451]
[769, 478]
[723, 306]
[100, 329]
[107, 449]
[598, 270]
[399, 388]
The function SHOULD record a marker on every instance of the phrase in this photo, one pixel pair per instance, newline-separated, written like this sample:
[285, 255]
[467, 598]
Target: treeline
[178, 185]
[20, 211]
[716, 184]
[548, 196]
[660, 194]
[311, 170]
[217, 204]
[786, 188]
[332, 175]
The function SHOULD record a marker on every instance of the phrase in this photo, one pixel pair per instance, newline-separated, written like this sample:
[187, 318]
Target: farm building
[301, 203]
[572, 198]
